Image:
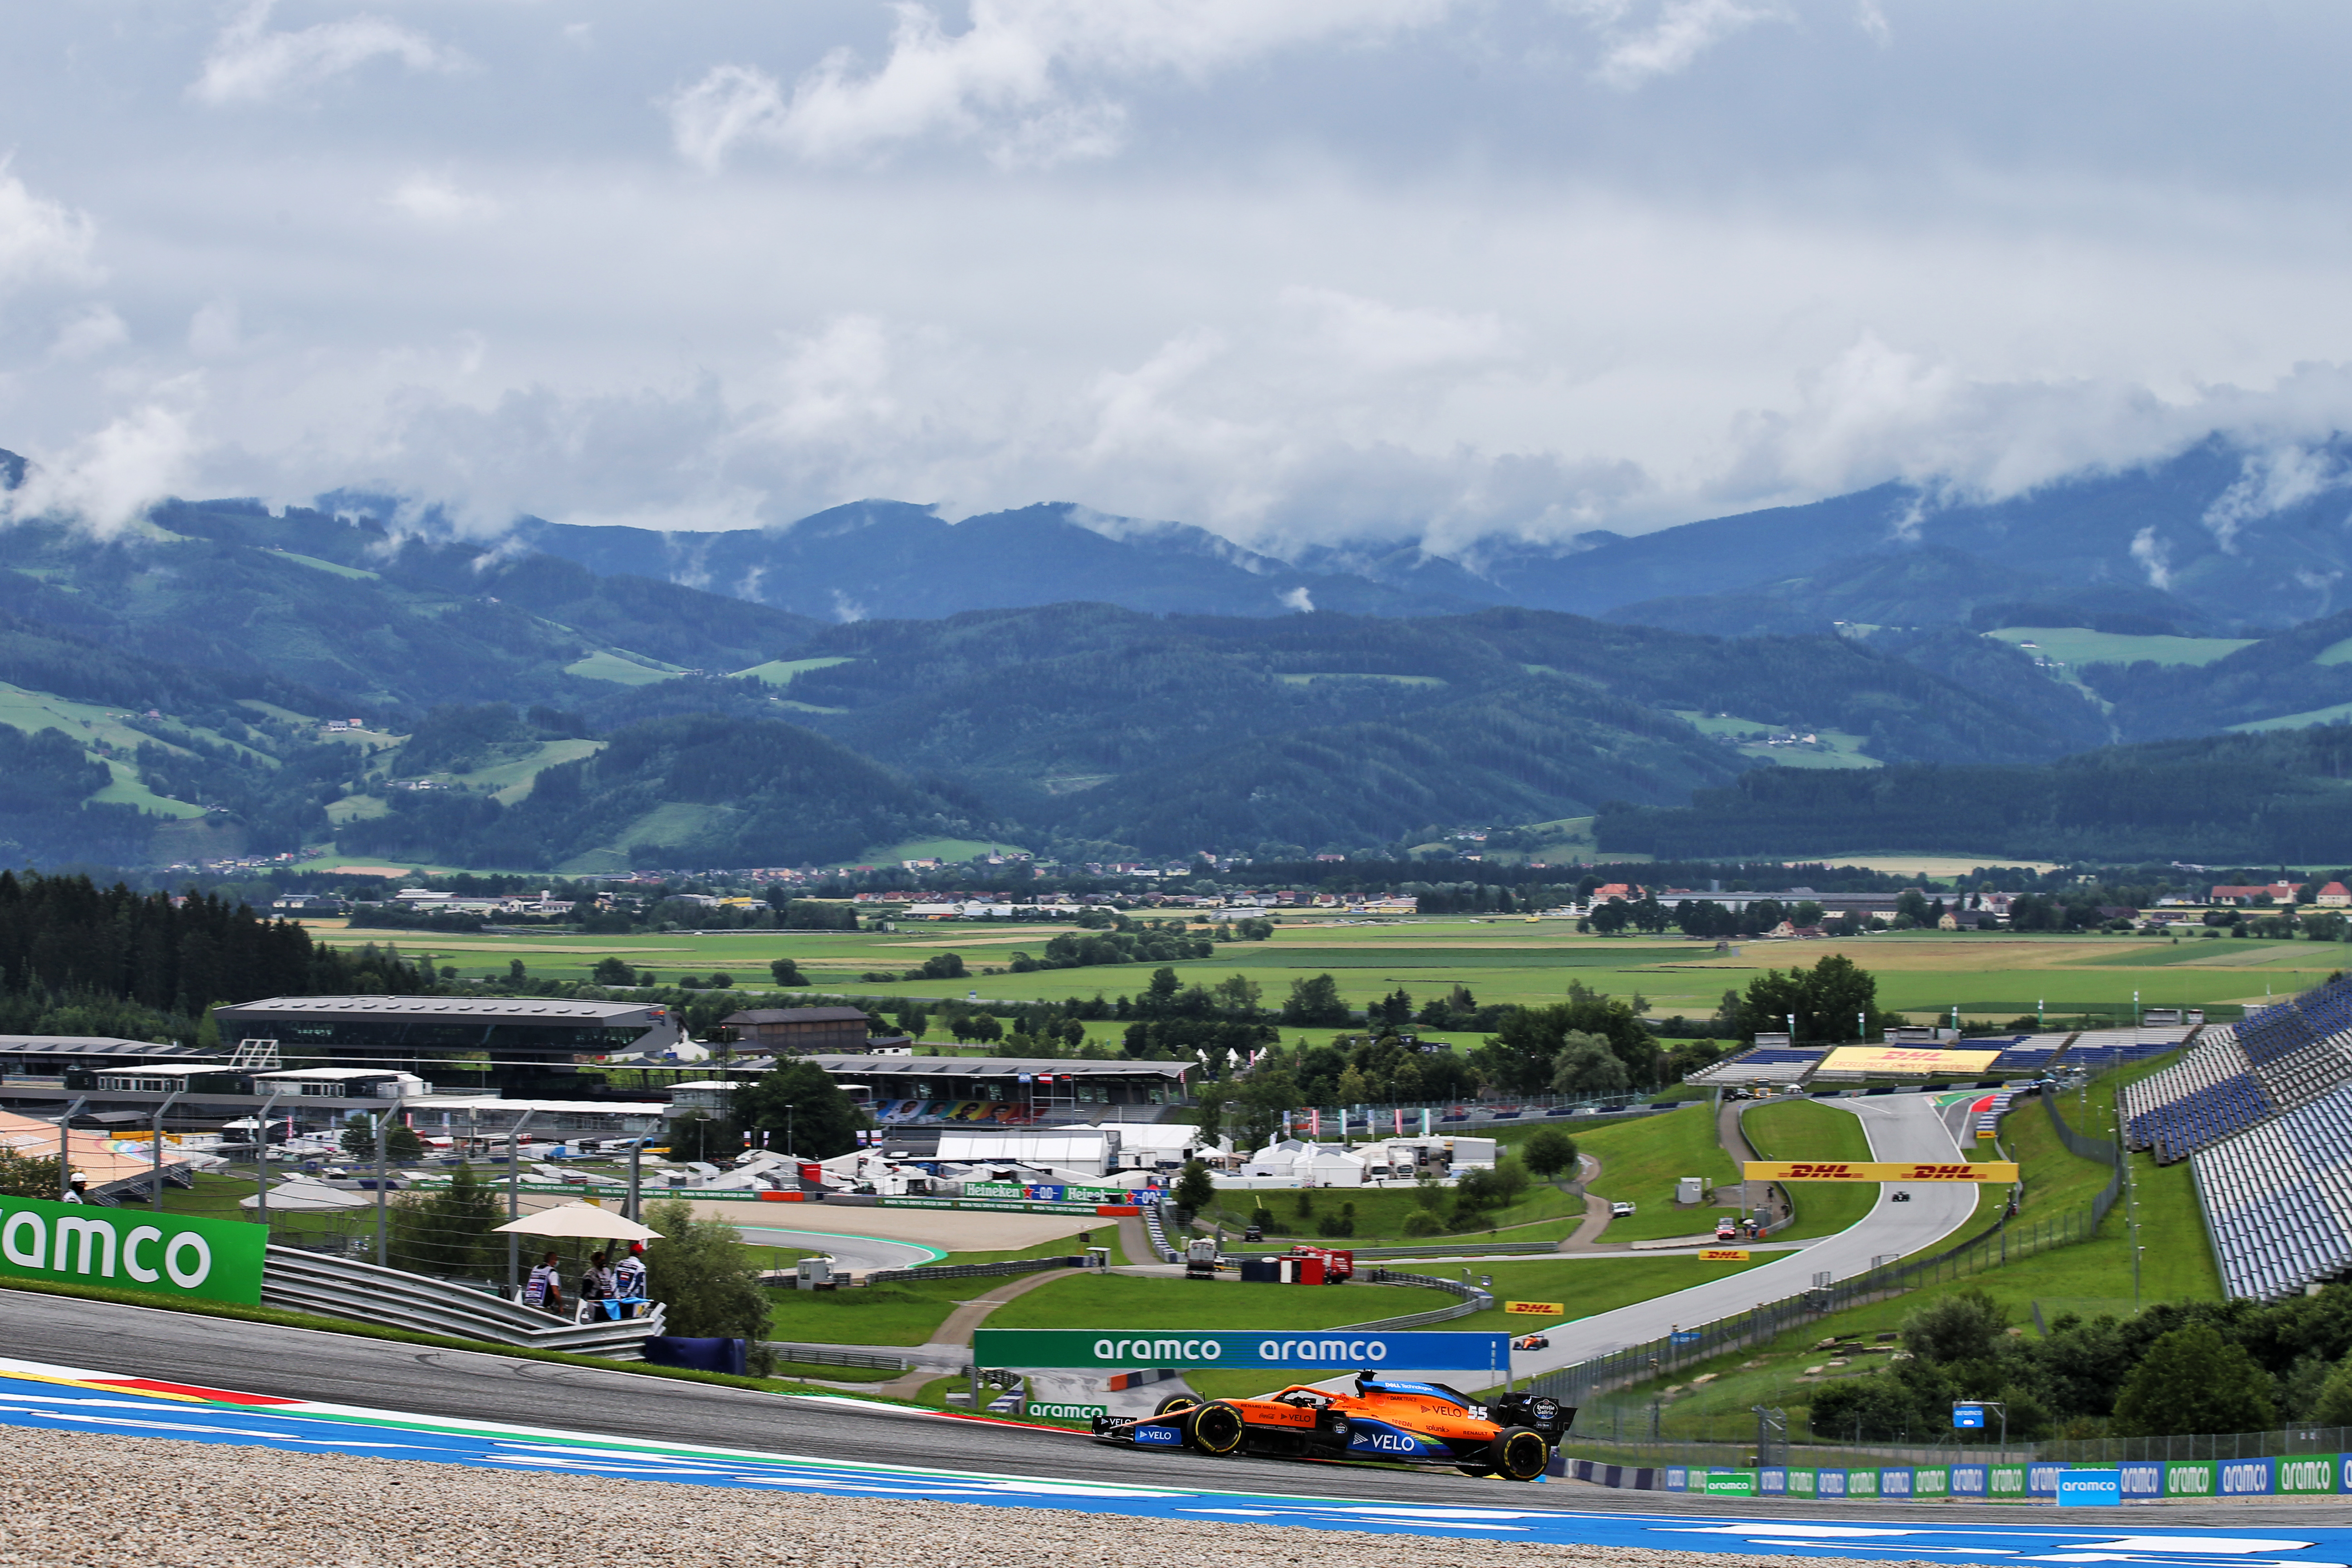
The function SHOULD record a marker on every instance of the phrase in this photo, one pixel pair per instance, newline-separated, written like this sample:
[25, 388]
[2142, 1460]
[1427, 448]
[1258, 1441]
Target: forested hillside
[2277, 799]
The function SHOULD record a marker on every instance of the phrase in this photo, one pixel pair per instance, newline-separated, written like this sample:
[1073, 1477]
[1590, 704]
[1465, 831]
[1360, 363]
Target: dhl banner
[1537, 1308]
[1905, 1060]
[1877, 1170]
[1723, 1254]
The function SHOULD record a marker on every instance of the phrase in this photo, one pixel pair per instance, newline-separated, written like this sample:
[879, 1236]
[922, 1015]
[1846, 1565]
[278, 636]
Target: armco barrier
[342, 1287]
[1474, 1299]
[832, 1356]
[976, 1270]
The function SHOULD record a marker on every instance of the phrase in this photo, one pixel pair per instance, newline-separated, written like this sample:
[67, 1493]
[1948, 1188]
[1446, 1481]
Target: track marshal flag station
[1877, 1170]
[82, 1243]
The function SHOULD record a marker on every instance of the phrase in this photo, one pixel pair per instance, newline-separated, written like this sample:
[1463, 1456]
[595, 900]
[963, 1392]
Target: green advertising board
[1804, 1483]
[2006, 1483]
[2307, 1475]
[1040, 1410]
[1931, 1481]
[2188, 1478]
[219, 1260]
[1862, 1483]
[1731, 1483]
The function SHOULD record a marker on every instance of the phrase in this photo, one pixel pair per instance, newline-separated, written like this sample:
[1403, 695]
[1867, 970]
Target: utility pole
[155, 1194]
[261, 1156]
[64, 1148]
[514, 1205]
[384, 1170]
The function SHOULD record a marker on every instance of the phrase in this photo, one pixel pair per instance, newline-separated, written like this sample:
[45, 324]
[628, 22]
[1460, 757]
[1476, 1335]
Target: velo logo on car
[1352, 1349]
[220, 1261]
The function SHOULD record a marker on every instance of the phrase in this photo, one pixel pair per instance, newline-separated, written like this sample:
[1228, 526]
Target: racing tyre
[1519, 1453]
[1175, 1404]
[1216, 1428]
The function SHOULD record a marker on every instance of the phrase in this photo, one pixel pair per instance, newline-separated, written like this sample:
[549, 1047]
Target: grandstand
[2278, 1199]
[2278, 1059]
[1763, 1064]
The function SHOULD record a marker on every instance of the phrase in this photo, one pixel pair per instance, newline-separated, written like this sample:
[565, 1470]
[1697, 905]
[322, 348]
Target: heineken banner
[1333, 1349]
[217, 1260]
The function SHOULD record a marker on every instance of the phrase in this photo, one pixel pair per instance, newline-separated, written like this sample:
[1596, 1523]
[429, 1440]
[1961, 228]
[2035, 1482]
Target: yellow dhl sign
[1877, 1170]
[1905, 1061]
[1723, 1254]
[1537, 1308]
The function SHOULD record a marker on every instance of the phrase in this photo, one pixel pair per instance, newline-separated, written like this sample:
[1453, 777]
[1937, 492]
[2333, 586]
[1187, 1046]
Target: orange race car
[1386, 1419]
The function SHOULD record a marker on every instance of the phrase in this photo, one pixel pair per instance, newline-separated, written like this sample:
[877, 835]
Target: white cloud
[1381, 336]
[1011, 79]
[2154, 555]
[1671, 35]
[40, 239]
[2270, 482]
[93, 330]
[106, 481]
[214, 329]
[248, 63]
[433, 198]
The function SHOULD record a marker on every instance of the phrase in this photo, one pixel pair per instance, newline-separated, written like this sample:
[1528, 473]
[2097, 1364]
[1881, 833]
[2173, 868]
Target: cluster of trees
[149, 965]
[1592, 1043]
[1828, 1001]
[1133, 941]
[2233, 1366]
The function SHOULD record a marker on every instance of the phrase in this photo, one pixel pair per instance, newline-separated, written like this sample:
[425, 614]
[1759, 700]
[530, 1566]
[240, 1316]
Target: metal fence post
[514, 1204]
[261, 1156]
[64, 1148]
[155, 1194]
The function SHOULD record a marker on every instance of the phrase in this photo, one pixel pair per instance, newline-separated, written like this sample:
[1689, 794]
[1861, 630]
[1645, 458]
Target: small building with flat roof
[800, 1031]
[522, 1039]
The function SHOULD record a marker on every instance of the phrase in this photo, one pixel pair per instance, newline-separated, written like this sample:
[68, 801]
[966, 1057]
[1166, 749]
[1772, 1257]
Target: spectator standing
[595, 1285]
[629, 1278]
[544, 1290]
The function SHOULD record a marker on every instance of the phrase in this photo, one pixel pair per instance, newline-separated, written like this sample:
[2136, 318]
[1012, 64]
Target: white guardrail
[343, 1287]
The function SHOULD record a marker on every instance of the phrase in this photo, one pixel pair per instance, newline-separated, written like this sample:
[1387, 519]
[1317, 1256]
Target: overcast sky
[1293, 269]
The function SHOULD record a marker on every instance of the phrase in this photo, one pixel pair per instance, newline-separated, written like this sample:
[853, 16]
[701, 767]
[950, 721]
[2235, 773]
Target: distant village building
[2335, 896]
[799, 1031]
[2277, 892]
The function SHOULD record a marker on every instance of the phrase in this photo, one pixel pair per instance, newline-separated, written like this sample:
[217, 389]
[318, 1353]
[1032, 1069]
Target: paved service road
[1900, 1126]
[853, 1254]
[300, 1363]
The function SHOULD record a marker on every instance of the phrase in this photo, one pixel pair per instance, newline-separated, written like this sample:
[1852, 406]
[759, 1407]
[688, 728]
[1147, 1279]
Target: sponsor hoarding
[1905, 1061]
[1352, 1349]
[164, 1254]
[1877, 1170]
[1537, 1308]
[1723, 1254]
[2090, 1488]
[1731, 1483]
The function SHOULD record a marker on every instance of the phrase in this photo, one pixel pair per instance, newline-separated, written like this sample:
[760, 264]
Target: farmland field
[1992, 978]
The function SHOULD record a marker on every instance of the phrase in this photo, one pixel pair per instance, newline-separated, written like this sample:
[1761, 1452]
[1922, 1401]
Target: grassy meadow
[1990, 976]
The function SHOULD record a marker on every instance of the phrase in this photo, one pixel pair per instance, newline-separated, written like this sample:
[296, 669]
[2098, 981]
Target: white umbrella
[580, 1219]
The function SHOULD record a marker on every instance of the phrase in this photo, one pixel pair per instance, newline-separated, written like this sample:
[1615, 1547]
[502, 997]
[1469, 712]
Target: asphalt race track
[819, 1445]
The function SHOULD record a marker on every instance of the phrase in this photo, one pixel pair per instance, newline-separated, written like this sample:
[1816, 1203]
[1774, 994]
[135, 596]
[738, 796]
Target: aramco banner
[219, 1260]
[1326, 1350]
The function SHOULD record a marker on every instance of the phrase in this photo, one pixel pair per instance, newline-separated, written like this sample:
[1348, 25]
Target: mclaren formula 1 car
[1427, 1424]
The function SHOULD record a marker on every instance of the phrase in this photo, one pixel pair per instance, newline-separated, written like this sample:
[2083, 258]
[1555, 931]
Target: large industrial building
[472, 1042]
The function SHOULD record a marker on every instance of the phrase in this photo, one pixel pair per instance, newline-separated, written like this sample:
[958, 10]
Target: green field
[625, 670]
[783, 671]
[2079, 645]
[1992, 976]
[2304, 720]
[1640, 1162]
[1808, 1130]
[1381, 1212]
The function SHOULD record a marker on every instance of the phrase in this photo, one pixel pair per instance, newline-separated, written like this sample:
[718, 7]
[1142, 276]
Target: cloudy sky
[1293, 269]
